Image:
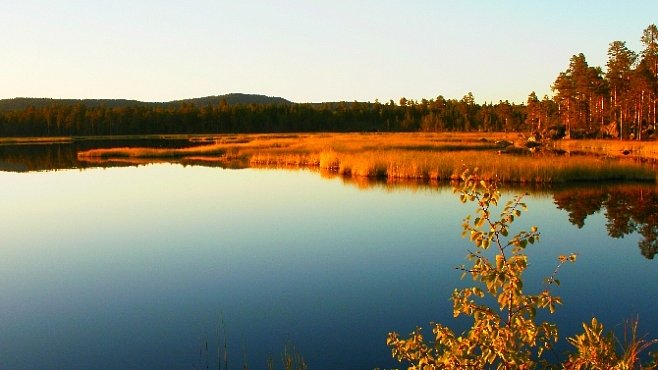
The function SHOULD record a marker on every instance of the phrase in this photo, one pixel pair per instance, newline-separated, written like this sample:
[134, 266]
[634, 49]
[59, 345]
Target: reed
[35, 140]
[647, 150]
[446, 166]
[408, 156]
[212, 149]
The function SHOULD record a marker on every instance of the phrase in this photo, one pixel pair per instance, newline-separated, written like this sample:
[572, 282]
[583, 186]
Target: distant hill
[234, 98]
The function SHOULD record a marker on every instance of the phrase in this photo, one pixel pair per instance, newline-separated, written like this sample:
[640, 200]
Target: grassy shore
[35, 140]
[413, 156]
[446, 166]
[126, 152]
[640, 150]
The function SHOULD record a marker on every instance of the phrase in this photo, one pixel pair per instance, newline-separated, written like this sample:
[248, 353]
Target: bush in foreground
[507, 334]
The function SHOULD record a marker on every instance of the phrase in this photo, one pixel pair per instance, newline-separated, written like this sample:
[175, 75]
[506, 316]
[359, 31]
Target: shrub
[506, 334]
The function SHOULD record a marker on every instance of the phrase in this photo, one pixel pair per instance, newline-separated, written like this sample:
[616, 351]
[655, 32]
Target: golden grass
[646, 150]
[359, 142]
[34, 140]
[447, 166]
[211, 149]
[404, 156]
[69, 139]
[275, 145]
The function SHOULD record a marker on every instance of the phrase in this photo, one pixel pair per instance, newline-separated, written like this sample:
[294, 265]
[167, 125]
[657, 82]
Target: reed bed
[447, 166]
[645, 150]
[313, 143]
[405, 156]
[360, 142]
[35, 140]
[124, 152]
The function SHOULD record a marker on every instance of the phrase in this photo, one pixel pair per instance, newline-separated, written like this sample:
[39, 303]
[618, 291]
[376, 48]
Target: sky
[305, 51]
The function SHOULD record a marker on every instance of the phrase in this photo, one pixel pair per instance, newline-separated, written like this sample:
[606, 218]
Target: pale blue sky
[305, 51]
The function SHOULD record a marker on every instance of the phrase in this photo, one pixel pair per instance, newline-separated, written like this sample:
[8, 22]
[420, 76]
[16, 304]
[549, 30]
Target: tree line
[187, 118]
[588, 102]
[620, 102]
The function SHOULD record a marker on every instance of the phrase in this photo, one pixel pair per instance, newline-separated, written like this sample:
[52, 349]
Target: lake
[151, 267]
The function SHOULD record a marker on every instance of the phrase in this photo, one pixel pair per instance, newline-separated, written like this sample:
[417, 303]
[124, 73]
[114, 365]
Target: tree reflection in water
[628, 209]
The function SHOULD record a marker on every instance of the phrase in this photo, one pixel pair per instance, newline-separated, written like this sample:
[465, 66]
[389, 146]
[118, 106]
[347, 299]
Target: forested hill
[235, 98]
[18, 104]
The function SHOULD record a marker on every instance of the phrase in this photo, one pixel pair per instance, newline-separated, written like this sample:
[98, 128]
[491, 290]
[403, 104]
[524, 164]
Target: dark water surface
[136, 267]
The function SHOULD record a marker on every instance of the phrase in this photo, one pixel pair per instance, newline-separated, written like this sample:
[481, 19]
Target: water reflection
[127, 268]
[628, 209]
[60, 155]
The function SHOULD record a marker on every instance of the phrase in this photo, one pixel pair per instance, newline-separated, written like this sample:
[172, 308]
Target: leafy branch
[507, 335]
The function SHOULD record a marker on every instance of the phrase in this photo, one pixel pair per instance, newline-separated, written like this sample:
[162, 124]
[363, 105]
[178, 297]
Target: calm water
[136, 268]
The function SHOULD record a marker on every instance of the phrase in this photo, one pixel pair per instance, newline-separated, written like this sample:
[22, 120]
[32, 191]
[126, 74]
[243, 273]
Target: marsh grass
[125, 152]
[291, 359]
[407, 156]
[645, 150]
[446, 166]
[34, 140]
